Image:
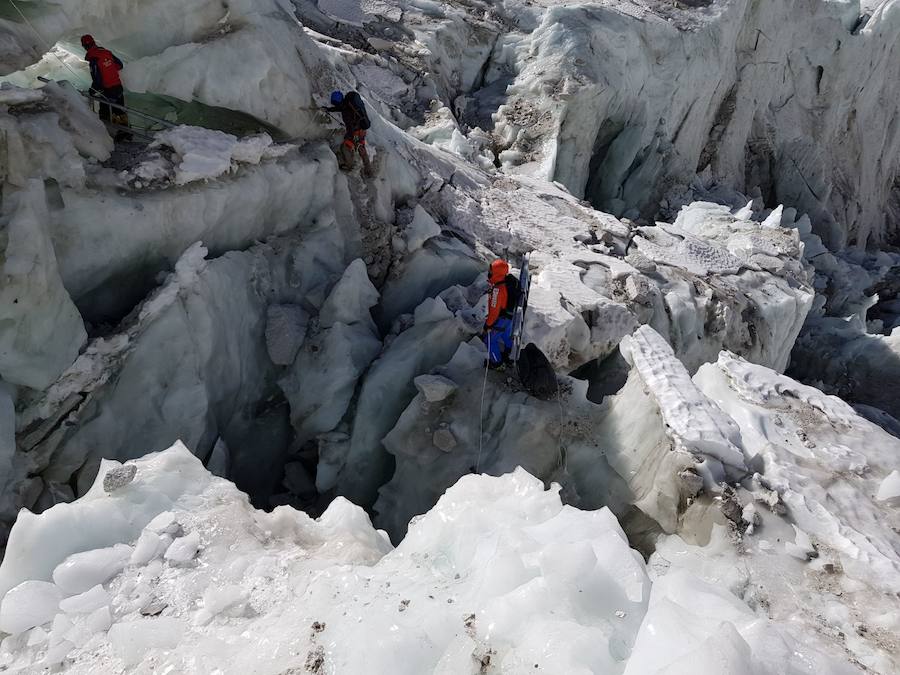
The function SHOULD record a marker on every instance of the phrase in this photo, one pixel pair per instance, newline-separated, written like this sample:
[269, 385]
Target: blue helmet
[336, 97]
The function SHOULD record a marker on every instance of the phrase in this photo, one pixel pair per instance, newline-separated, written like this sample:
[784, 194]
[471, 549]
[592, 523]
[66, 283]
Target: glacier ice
[472, 584]
[311, 335]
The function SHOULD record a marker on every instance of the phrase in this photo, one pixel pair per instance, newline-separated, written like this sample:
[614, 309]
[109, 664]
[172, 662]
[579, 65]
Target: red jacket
[105, 68]
[498, 300]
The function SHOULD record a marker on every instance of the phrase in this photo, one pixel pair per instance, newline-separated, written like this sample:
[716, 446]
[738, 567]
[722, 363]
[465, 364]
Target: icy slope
[816, 541]
[178, 572]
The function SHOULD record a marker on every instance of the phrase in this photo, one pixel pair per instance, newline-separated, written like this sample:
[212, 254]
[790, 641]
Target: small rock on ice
[285, 332]
[119, 477]
[890, 487]
[30, 604]
[434, 387]
[444, 440]
[183, 549]
[81, 571]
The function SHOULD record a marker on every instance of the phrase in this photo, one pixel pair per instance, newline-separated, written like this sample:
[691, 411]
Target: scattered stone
[315, 660]
[285, 332]
[444, 440]
[154, 607]
[119, 477]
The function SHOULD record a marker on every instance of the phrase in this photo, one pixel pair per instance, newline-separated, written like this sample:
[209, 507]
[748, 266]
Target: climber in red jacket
[106, 84]
[504, 294]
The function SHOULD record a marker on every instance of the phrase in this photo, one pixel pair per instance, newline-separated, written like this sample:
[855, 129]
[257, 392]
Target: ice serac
[644, 453]
[697, 425]
[212, 314]
[321, 381]
[804, 535]
[359, 467]
[787, 99]
[41, 331]
[715, 279]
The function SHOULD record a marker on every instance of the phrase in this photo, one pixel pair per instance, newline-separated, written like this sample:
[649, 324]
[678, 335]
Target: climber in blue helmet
[356, 122]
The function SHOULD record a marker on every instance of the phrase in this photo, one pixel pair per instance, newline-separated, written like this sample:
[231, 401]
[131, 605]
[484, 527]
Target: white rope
[46, 43]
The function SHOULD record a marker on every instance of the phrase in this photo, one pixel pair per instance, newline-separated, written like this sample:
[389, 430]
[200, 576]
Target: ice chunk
[696, 424]
[434, 387]
[57, 653]
[164, 523]
[207, 153]
[432, 310]
[351, 298]
[183, 549]
[81, 571]
[132, 639]
[37, 636]
[99, 620]
[30, 604]
[12, 95]
[217, 599]
[421, 229]
[889, 488]
[87, 602]
[148, 546]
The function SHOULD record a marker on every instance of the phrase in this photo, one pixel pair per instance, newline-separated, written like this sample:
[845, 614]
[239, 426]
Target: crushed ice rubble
[768, 511]
[168, 567]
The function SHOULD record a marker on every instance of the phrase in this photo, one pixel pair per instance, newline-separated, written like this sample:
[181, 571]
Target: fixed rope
[44, 42]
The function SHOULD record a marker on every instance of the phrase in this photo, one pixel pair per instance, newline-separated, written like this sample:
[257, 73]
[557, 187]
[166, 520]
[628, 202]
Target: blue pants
[498, 339]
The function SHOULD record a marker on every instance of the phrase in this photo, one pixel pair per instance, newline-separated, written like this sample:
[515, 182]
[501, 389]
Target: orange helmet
[499, 270]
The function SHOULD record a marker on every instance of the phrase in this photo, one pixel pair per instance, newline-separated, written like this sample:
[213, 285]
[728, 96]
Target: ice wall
[622, 100]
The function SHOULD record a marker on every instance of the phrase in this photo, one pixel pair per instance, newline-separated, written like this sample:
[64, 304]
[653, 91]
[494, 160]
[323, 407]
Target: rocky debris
[285, 332]
[117, 478]
[444, 439]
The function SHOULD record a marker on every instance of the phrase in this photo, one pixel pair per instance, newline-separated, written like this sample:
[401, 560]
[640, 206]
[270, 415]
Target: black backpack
[513, 292]
[536, 373]
[354, 100]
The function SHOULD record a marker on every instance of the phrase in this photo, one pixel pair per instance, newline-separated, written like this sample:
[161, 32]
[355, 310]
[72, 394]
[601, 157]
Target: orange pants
[355, 139]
